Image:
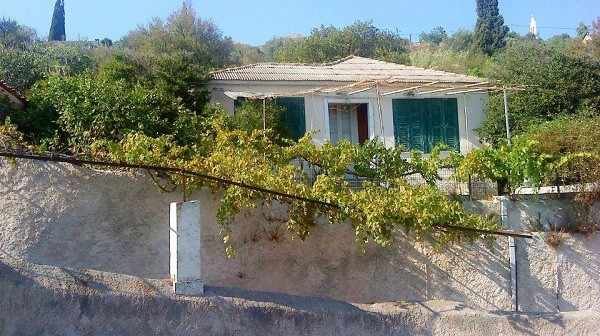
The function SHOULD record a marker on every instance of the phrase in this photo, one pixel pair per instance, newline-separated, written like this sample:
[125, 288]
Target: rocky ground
[44, 300]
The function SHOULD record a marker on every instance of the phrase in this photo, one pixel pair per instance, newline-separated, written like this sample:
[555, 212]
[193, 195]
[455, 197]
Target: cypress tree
[490, 31]
[57, 28]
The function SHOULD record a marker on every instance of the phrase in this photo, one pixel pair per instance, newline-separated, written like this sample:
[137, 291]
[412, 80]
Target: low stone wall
[76, 217]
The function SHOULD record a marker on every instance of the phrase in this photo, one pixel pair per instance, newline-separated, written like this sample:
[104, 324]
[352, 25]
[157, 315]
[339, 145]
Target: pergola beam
[453, 88]
[409, 89]
[349, 86]
[360, 90]
[472, 90]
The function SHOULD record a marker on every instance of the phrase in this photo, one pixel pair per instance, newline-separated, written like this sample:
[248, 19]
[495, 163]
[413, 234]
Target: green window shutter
[401, 122]
[418, 120]
[452, 137]
[293, 119]
[435, 114]
[420, 124]
[409, 124]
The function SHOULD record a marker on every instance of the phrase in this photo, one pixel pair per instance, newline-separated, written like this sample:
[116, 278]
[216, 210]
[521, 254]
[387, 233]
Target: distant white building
[533, 28]
[358, 98]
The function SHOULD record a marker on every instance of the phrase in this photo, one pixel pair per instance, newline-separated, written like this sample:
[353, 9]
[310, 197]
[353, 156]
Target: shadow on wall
[562, 278]
[42, 300]
[329, 264]
[76, 217]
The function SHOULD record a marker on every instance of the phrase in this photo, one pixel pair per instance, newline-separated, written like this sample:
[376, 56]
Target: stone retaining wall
[63, 215]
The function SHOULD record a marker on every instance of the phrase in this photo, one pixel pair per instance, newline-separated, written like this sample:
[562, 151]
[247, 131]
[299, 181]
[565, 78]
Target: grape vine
[384, 205]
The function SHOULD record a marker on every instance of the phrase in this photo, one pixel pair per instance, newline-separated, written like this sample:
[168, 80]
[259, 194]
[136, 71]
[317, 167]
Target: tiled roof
[350, 69]
[12, 91]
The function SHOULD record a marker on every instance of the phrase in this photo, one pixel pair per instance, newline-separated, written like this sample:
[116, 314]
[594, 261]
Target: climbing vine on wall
[385, 204]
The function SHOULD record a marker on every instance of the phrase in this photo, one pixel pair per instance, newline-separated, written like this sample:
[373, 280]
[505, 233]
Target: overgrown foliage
[328, 43]
[10, 137]
[442, 58]
[385, 205]
[577, 141]
[435, 37]
[557, 83]
[21, 68]
[566, 148]
[70, 113]
[253, 115]
[14, 35]
[510, 166]
[176, 55]
[142, 100]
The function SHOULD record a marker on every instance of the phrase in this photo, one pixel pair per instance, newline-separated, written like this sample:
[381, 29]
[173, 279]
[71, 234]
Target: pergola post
[506, 117]
[185, 248]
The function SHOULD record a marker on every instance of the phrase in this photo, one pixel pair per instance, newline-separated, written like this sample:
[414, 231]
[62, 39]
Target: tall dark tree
[490, 31]
[57, 28]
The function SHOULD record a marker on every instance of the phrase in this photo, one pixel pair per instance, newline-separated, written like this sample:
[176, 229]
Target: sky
[256, 21]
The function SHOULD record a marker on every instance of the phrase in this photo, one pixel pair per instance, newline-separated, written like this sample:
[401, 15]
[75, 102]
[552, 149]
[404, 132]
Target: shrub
[557, 84]
[73, 112]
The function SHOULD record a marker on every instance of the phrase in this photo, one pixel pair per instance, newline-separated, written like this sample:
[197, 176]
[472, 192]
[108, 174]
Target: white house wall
[471, 109]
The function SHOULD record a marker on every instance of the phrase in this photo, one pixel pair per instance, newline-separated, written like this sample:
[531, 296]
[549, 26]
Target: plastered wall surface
[62, 215]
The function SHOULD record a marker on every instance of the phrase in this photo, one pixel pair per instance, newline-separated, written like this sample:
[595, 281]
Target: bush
[557, 84]
[73, 112]
[10, 137]
[249, 116]
[567, 135]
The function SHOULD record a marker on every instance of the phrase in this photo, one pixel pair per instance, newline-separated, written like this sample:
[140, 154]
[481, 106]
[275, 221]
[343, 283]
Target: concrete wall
[471, 108]
[119, 222]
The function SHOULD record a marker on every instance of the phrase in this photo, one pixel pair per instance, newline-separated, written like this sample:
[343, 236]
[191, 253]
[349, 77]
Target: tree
[57, 27]
[15, 36]
[328, 43]
[271, 47]
[22, 68]
[582, 30]
[435, 37]
[247, 54]
[490, 31]
[106, 42]
[562, 41]
[178, 54]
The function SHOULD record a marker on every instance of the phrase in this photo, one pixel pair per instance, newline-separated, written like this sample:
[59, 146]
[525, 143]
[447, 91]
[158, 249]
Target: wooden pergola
[392, 86]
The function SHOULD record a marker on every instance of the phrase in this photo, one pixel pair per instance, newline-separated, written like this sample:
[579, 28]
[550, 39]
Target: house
[13, 96]
[358, 98]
